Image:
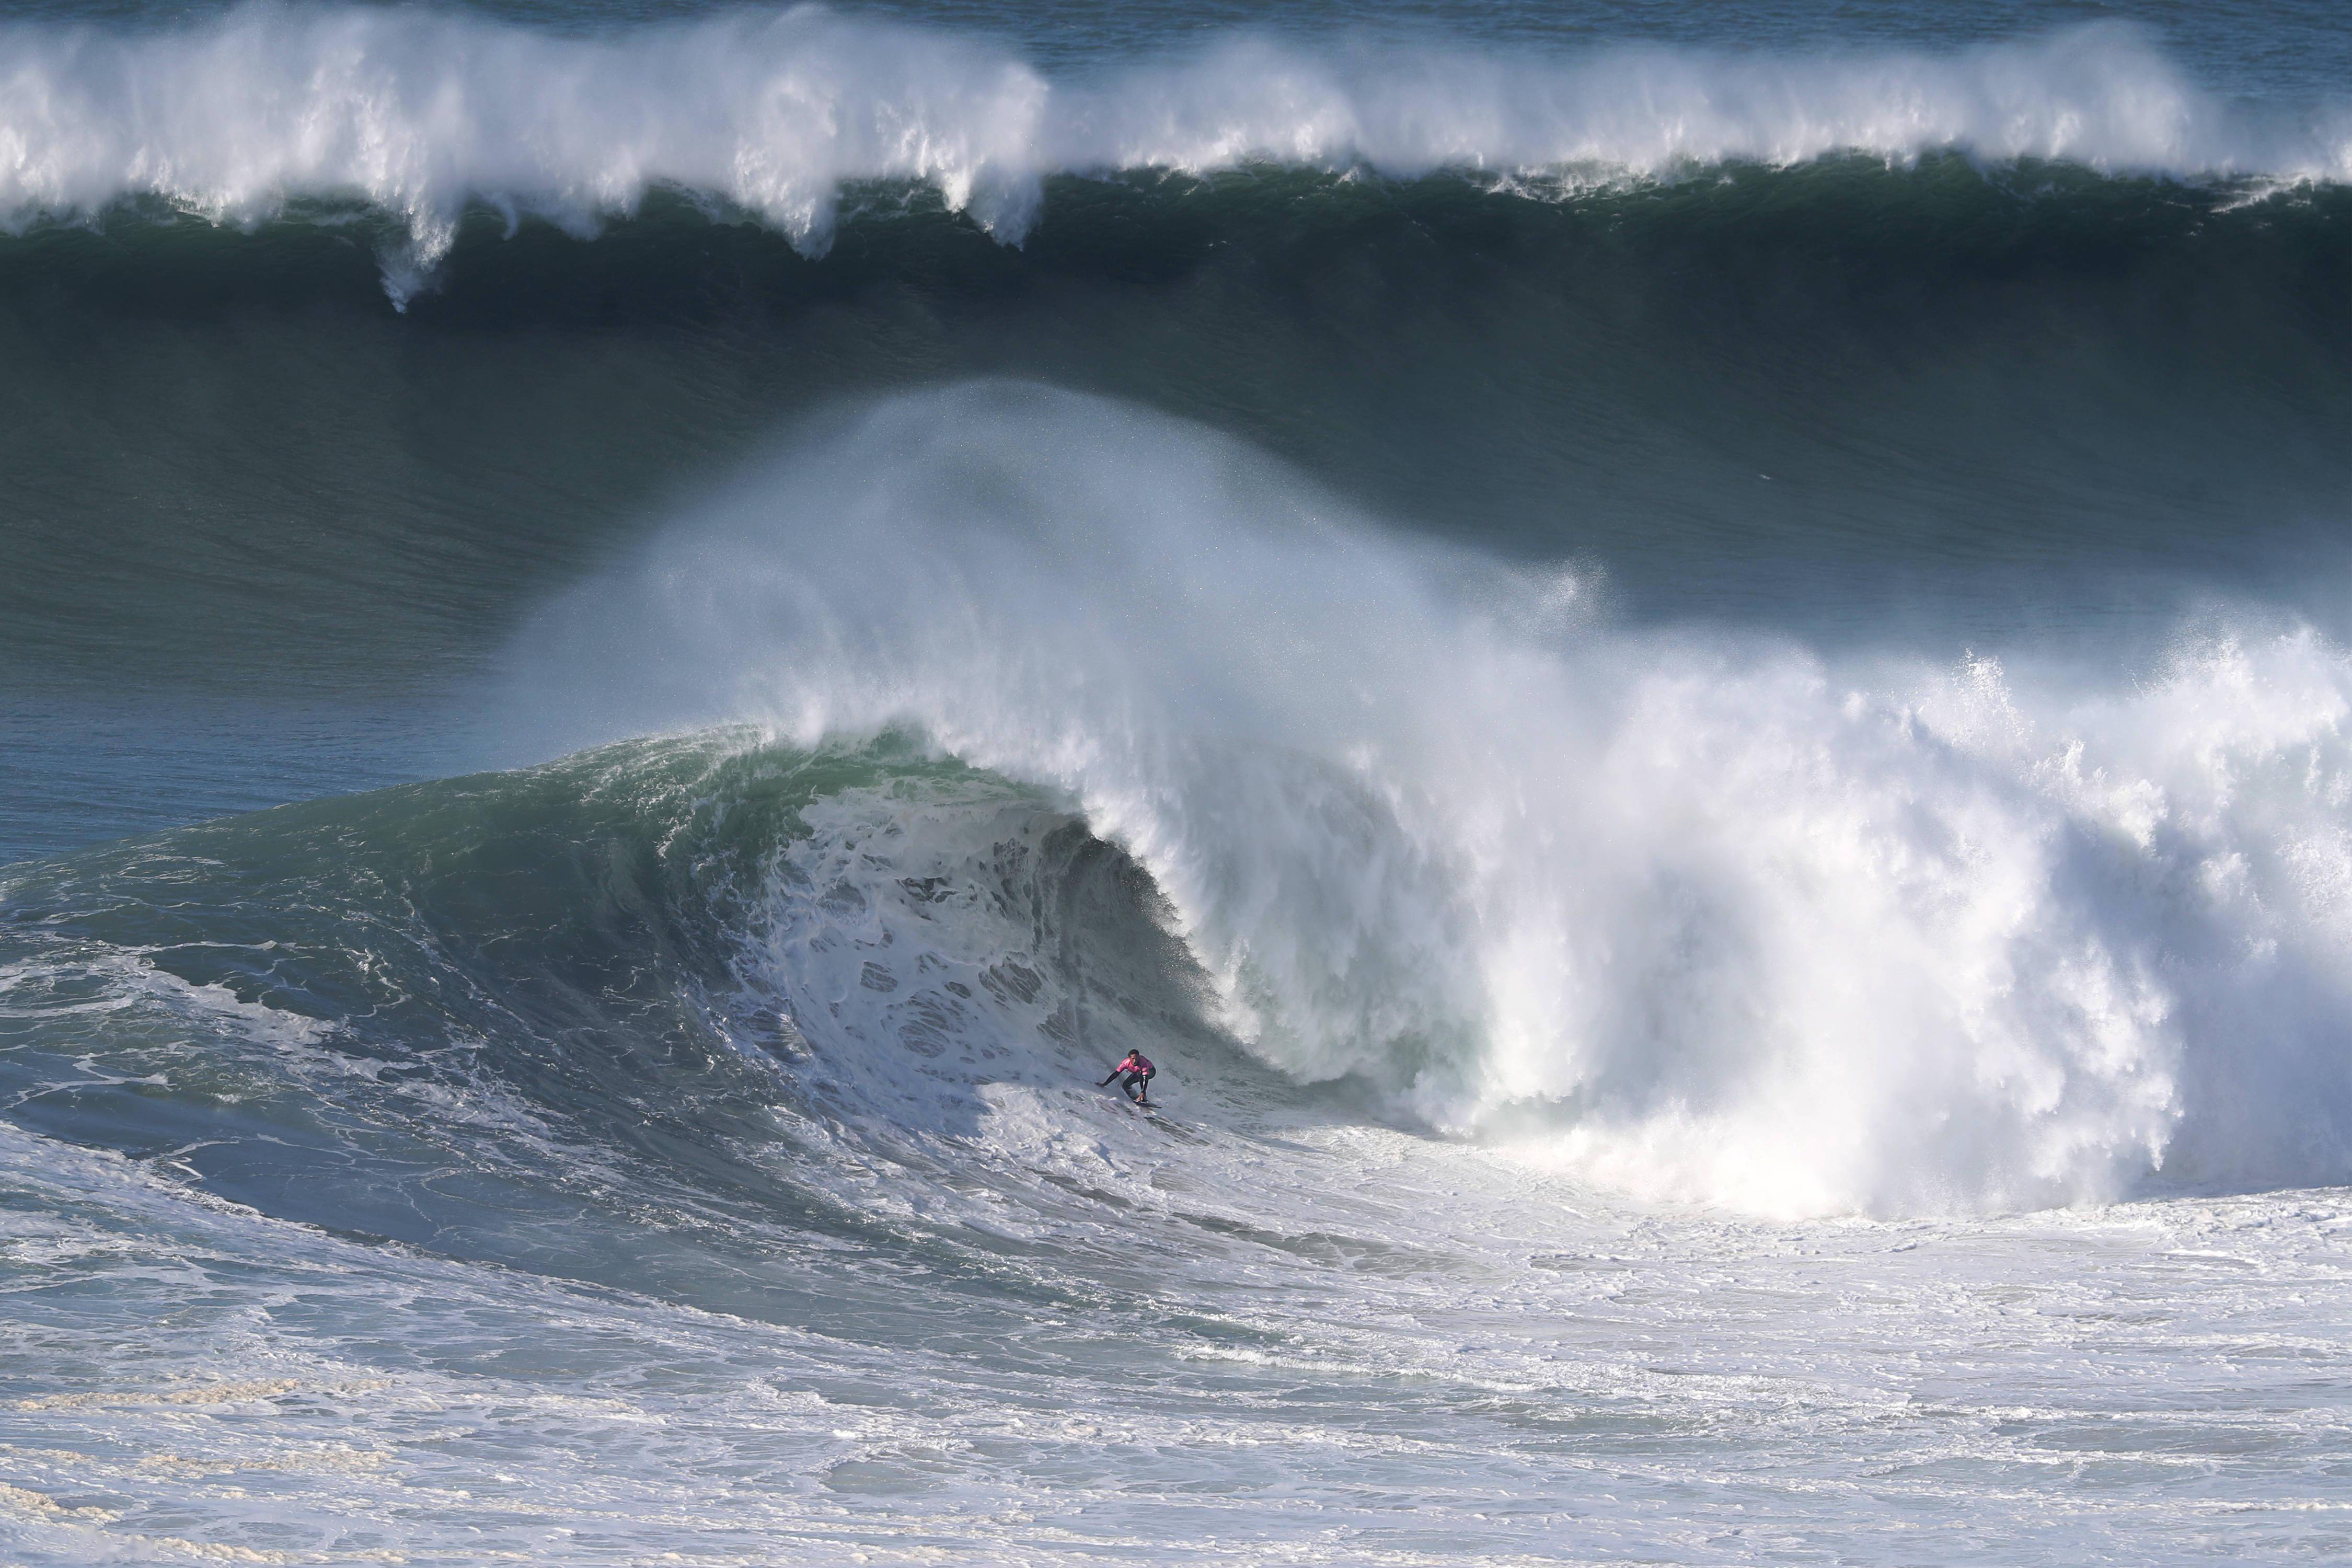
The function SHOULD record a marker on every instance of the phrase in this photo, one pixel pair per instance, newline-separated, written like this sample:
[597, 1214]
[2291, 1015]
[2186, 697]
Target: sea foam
[420, 114]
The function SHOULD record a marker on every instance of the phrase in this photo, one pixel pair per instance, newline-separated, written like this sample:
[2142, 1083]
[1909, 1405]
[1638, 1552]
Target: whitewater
[1751, 931]
[1689, 674]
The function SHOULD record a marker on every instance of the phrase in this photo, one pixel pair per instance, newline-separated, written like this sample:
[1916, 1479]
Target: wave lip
[419, 115]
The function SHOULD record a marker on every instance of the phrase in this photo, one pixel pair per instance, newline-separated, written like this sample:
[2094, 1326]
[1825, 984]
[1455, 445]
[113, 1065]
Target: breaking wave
[419, 115]
[1699, 917]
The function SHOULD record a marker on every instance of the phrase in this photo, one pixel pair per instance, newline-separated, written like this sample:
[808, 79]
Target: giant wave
[1074, 726]
[418, 115]
[1702, 917]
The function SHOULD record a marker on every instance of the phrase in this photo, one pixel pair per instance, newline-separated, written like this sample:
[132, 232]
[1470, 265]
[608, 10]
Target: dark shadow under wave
[1826, 397]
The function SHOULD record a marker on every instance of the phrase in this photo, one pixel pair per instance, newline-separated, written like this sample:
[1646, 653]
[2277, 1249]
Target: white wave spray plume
[1697, 918]
[418, 114]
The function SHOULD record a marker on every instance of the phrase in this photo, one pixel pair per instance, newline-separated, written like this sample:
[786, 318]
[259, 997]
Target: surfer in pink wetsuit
[1139, 1070]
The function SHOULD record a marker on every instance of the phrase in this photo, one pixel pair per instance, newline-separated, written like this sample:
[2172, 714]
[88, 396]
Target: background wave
[418, 114]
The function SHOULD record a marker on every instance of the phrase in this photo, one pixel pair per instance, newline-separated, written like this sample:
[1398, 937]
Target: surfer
[1139, 1070]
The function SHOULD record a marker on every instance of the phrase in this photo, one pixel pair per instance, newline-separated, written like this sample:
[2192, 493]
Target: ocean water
[1688, 668]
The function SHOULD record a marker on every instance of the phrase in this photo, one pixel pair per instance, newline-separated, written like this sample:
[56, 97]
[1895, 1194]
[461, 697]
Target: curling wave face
[418, 114]
[647, 1016]
[1698, 917]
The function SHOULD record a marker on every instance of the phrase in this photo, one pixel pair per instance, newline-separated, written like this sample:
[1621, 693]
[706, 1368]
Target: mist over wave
[1696, 916]
[419, 114]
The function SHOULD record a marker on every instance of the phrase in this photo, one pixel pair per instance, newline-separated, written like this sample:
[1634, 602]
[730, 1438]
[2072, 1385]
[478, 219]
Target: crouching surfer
[1138, 1070]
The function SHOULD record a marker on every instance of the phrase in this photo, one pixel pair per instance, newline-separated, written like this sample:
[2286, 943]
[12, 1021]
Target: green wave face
[569, 1018]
